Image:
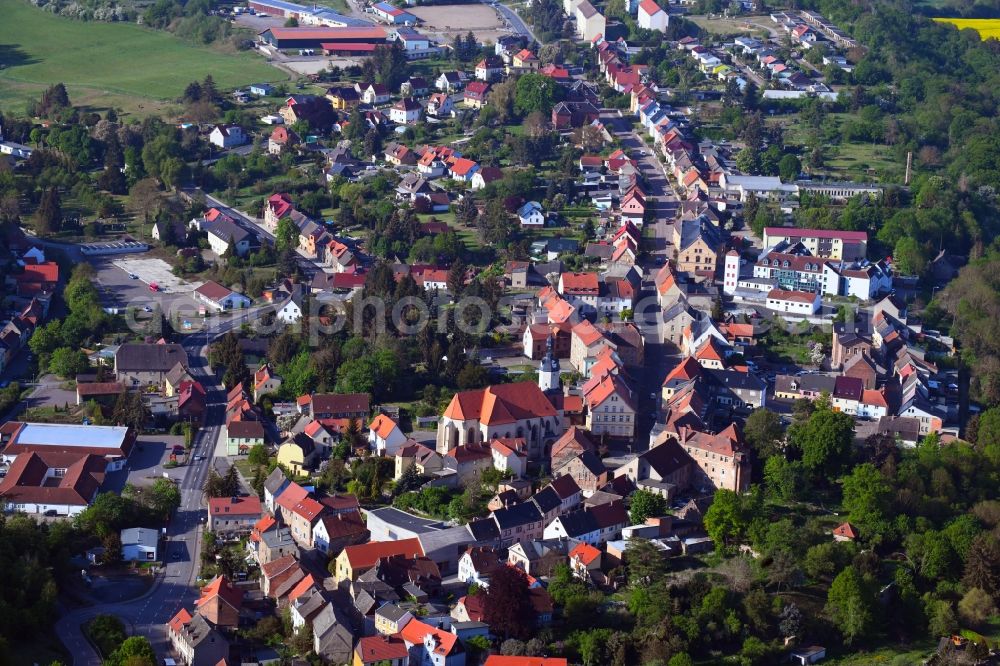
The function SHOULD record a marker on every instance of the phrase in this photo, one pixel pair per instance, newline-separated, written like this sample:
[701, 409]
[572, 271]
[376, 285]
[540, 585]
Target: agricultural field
[108, 64]
[987, 28]
[446, 21]
[757, 26]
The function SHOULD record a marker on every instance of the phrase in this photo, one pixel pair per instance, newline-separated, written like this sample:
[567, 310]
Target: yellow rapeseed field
[985, 27]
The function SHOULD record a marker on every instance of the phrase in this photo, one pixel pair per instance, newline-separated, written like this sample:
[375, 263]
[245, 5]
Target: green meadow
[108, 64]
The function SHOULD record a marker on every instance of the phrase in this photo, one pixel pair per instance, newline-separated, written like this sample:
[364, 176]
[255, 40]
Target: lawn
[105, 64]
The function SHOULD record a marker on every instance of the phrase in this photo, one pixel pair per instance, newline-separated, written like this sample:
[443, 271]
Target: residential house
[793, 302]
[698, 243]
[478, 564]
[298, 453]
[587, 470]
[665, 469]
[281, 139]
[584, 560]
[652, 17]
[594, 525]
[612, 406]
[384, 436]
[220, 298]
[531, 215]
[449, 82]
[343, 98]
[241, 436]
[463, 169]
[233, 516]
[220, 603]
[476, 94]
[142, 364]
[227, 136]
[333, 636]
[381, 651]
[357, 559]
[406, 111]
[539, 557]
[335, 531]
[195, 641]
[489, 69]
[440, 105]
[431, 646]
[373, 94]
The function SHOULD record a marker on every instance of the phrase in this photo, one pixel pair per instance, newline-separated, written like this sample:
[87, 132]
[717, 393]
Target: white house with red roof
[220, 298]
[385, 436]
[652, 17]
[512, 410]
[432, 646]
[463, 169]
[793, 302]
[406, 111]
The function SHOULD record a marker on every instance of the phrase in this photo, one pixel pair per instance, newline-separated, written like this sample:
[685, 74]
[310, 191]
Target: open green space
[108, 64]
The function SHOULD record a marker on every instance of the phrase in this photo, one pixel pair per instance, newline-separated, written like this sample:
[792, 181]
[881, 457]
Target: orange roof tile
[585, 552]
[383, 426]
[367, 554]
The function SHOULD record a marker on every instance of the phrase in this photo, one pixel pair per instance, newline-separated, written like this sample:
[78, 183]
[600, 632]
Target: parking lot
[151, 270]
[145, 465]
[118, 290]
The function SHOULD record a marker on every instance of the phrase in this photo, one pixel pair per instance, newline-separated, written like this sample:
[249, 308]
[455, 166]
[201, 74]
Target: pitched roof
[234, 506]
[383, 426]
[585, 552]
[500, 404]
[445, 642]
[500, 660]
[220, 588]
[846, 530]
[565, 486]
[367, 554]
[376, 649]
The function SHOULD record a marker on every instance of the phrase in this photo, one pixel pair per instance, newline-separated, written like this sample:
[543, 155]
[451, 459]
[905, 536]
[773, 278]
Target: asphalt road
[175, 587]
[658, 359]
[515, 21]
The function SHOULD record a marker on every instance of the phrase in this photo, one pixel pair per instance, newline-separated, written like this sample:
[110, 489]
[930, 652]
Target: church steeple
[548, 370]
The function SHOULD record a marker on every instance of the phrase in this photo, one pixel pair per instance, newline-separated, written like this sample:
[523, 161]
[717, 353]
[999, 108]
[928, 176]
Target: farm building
[315, 38]
[386, 12]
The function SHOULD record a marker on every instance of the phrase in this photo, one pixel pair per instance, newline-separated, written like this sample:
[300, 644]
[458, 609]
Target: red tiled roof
[503, 403]
[178, 621]
[234, 506]
[585, 552]
[376, 649]
[367, 554]
[213, 291]
[462, 166]
[580, 282]
[650, 7]
[308, 508]
[220, 587]
[415, 631]
[795, 296]
[846, 530]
